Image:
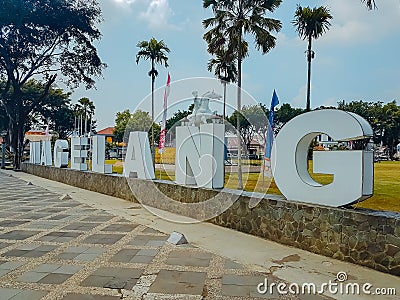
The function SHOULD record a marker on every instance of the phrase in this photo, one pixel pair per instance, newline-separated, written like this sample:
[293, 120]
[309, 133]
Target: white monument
[61, 150]
[200, 147]
[46, 158]
[34, 153]
[98, 155]
[138, 161]
[352, 169]
[79, 153]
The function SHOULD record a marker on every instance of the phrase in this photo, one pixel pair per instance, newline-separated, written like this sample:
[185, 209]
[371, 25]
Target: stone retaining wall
[363, 237]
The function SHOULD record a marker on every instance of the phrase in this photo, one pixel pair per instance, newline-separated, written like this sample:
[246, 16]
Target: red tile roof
[106, 131]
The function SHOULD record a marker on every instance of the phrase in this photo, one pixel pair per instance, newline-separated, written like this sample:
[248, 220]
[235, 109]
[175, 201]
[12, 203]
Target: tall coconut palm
[370, 3]
[311, 23]
[224, 65]
[232, 21]
[156, 52]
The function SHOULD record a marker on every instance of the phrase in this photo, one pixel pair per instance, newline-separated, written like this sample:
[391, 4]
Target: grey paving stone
[124, 255]
[59, 236]
[29, 295]
[141, 259]
[81, 226]
[235, 290]
[54, 278]
[185, 258]
[67, 270]
[18, 235]
[3, 245]
[33, 216]
[178, 282]
[12, 223]
[7, 294]
[114, 278]
[120, 227]
[31, 276]
[107, 239]
[148, 240]
[101, 219]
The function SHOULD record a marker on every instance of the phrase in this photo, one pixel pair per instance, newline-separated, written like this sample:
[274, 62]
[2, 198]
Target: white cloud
[158, 14]
[352, 23]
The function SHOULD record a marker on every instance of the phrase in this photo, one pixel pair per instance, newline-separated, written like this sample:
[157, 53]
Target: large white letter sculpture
[98, 155]
[34, 153]
[46, 158]
[352, 170]
[79, 153]
[200, 155]
[138, 161]
[61, 154]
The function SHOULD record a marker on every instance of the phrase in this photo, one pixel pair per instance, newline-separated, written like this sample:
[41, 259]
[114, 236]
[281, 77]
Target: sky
[357, 59]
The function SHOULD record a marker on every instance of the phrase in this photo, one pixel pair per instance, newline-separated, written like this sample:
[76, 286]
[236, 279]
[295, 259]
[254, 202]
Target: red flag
[163, 133]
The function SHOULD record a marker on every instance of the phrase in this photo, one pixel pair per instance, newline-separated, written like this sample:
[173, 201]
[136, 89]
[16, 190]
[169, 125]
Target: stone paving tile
[115, 278]
[49, 274]
[184, 258]
[11, 223]
[59, 236]
[7, 267]
[18, 294]
[18, 234]
[179, 282]
[107, 239]
[81, 226]
[149, 240]
[98, 219]
[81, 253]
[30, 250]
[120, 227]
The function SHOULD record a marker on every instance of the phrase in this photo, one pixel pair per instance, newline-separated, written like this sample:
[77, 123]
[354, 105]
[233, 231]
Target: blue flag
[270, 135]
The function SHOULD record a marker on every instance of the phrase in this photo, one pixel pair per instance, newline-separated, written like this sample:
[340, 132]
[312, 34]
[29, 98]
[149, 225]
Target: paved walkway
[98, 247]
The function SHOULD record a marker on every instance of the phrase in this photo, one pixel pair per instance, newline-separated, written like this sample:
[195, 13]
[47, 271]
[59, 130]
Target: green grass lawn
[386, 184]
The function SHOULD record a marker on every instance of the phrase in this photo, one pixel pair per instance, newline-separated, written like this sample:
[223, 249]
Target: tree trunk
[153, 78]
[17, 133]
[224, 114]
[309, 58]
[239, 108]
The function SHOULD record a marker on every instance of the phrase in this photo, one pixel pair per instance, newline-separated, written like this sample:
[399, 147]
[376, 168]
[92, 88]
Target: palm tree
[232, 20]
[156, 52]
[84, 110]
[224, 69]
[311, 23]
[370, 3]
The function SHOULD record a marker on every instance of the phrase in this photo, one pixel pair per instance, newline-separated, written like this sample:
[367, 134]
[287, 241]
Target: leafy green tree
[253, 121]
[56, 109]
[126, 122]
[34, 43]
[311, 24]
[121, 121]
[224, 65]
[233, 20]
[156, 52]
[284, 114]
[384, 120]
